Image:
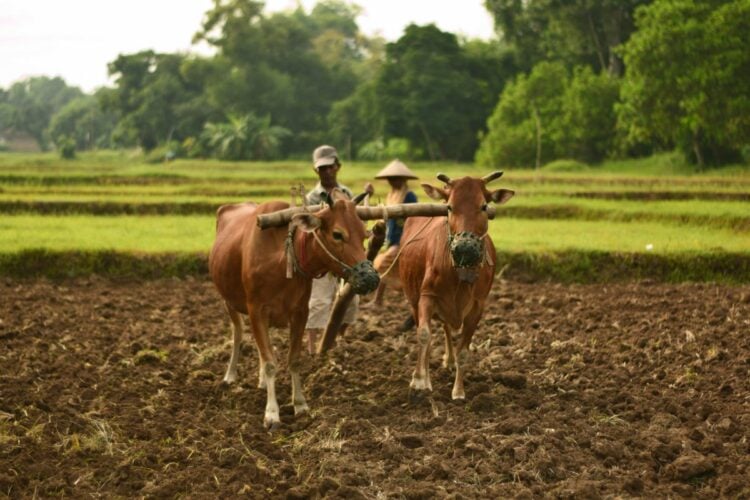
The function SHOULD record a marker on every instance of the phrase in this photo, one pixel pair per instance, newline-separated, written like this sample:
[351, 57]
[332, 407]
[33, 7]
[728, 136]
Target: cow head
[340, 235]
[467, 199]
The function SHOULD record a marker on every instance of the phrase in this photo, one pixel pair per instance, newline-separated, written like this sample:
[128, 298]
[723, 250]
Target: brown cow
[447, 268]
[249, 267]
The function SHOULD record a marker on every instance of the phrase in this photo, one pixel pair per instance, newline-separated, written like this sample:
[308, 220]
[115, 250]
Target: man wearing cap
[397, 174]
[326, 164]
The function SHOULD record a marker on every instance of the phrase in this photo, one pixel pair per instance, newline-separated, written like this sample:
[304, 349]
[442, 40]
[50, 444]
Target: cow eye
[484, 207]
[338, 236]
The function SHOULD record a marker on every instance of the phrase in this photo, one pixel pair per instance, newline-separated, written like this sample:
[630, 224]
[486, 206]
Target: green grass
[554, 228]
[195, 234]
[535, 236]
[123, 233]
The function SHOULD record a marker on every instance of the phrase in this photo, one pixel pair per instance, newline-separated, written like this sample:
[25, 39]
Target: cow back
[240, 247]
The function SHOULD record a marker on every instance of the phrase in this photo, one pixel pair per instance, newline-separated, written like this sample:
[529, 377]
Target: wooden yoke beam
[400, 211]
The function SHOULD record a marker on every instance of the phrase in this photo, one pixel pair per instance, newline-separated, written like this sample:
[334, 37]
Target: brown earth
[114, 389]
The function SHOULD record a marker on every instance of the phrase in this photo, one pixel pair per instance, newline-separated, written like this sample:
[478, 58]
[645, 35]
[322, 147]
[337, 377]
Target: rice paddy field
[624, 220]
[612, 360]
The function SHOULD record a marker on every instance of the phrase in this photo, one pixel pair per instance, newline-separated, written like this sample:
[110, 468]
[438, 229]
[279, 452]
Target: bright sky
[75, 39]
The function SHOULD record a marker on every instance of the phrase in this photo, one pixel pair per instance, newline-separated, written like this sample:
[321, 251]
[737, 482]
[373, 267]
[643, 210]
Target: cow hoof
[458, 396]
[301, 409]
[271, 425]
[230, 379]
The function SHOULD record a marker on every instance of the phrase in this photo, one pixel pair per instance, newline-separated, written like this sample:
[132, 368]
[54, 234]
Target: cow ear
[435, 193]
[307, 222]
[501, 195]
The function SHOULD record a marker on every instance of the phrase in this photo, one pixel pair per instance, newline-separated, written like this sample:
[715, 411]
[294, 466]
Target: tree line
[582, 79]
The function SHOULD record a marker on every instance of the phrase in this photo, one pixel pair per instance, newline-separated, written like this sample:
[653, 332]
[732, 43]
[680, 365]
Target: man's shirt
[314, 197]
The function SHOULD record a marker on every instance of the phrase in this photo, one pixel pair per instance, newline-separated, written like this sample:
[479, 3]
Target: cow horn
[491, 177]
[358, 199]
[326, 198]
[444, 178]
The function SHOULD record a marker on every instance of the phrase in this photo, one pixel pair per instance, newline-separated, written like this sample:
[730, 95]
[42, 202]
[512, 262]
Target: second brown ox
[249, 267]
[447, 268]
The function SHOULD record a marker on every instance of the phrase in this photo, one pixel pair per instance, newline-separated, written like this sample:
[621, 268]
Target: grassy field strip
[195, 233]
[285, 179]
[177, 185]
[671, 207]
[525, 235]
[726, 214]
[126, 233]
[143, 198]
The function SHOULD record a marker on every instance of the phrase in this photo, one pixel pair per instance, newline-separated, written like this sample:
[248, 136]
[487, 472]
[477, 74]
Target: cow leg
[261, 370]
[259, 326]
[231, 375]
[449, 357]
[420, 380]
[297, 331]
[467, 332]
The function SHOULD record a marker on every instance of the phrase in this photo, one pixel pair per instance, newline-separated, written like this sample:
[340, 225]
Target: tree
[686, 80]
[587, 125]
[427, 95]
[154, 100]
[244, 138]
[83, 122]
[574, 31]
[523, 126]
[30, 104]
[289, 66]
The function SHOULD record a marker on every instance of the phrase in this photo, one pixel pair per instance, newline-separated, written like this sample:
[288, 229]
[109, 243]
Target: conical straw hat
[396, 169]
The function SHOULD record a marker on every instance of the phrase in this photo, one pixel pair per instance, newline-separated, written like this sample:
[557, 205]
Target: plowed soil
[111, 389]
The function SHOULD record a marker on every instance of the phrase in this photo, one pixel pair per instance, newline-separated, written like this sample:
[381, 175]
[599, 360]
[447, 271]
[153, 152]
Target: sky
[75, 39]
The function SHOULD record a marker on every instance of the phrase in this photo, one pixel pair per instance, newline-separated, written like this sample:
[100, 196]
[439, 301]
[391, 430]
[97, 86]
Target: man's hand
[369, 188]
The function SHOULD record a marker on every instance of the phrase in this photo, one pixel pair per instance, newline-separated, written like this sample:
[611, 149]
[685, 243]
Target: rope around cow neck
[401, 248]
[293, 264]
[347, 267]
[414, 238]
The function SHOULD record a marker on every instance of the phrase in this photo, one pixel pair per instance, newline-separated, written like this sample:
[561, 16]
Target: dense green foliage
[573, 32]
[550, 115]
[28, 106]
[429, 94]
[687, 81]
[154, 100]
[83, 122]
[686, 66]
[581, 81]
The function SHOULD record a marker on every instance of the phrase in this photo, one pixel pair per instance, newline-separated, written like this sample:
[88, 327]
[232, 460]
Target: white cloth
[321, 301]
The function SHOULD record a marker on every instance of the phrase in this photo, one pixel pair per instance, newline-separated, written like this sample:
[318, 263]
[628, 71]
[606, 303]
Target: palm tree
[244, 138]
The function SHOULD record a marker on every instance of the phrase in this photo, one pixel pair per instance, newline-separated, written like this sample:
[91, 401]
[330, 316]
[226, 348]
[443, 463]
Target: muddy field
[114, 390]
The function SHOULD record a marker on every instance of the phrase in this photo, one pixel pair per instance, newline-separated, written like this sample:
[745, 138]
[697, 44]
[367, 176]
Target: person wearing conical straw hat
[397, 174]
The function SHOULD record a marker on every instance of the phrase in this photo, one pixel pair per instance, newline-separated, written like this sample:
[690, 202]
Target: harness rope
[450, 236]
[293, 264]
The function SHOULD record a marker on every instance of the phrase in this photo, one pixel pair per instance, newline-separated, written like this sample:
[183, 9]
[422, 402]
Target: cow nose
[466, 249]
[363, 277]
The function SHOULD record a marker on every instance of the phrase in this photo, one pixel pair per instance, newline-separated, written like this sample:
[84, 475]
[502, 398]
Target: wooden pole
[400, 211]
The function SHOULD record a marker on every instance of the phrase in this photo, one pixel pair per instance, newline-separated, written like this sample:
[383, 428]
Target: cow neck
[300, 249]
